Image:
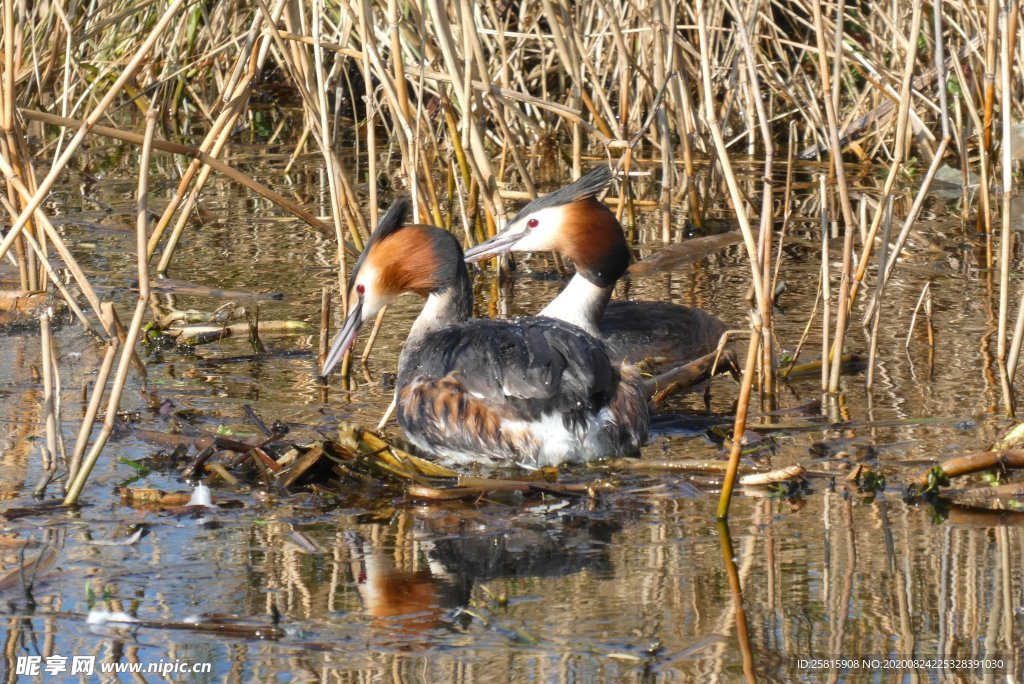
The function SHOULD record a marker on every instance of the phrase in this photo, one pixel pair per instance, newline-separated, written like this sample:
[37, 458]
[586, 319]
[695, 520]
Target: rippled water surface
[638, 584]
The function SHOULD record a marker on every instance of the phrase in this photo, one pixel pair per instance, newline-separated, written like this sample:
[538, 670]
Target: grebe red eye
[360, 289]
[532, 223]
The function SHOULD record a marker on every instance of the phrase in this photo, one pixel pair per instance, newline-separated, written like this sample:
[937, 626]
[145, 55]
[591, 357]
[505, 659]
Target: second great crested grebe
[530, 391]
[574, 223]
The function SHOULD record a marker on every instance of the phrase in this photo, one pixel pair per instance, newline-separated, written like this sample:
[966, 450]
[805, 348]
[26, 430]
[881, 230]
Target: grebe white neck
[581, 303]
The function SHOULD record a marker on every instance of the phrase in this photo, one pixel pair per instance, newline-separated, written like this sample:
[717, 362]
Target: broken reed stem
[787, 205]
[924, 297]
[128, 350]
[62, 453]
[325, 326]
[740, 426]
[53, 275]
[364, 357]
[58, 242]
[46, 356]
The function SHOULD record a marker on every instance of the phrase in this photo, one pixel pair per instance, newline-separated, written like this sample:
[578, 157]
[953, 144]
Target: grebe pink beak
[344, 339]
[501, 243]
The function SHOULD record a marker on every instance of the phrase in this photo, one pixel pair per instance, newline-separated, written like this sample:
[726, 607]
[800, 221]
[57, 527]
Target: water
[633, 586]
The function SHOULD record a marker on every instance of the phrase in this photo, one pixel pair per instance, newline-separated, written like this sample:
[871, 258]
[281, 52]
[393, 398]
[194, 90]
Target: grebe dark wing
[660, 331]
[526, 367]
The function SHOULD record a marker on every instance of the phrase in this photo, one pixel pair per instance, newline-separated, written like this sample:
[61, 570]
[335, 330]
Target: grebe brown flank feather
[533, 391]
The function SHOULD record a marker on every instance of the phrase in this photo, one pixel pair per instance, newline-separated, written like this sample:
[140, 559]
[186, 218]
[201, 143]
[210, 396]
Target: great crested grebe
[530, 391]
[574, 223]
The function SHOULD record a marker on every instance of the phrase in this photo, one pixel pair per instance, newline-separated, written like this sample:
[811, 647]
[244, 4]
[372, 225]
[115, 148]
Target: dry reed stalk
[830, 93]
[787, 205]
[1007, 229]
[807, 330]
[128, 350]
[899, 148]
[89, 419]
[49, 411]
[739, 206]
[52, 274]
[188, 151]
[212, 145]
[924, 300]
[876, 310]
[366, 22]
[665, 136]
[7, 124]
[325, 326]
[989, 76]
[974, 116]
[58, 166]
[62, 454]
[826, 287]
[364, 357]
[740, 426]
[764, 305]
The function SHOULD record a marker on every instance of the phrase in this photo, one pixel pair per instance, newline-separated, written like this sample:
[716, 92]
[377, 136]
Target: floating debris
[18, 307]
[358, 462]
[201, 496]
[773, 477]
[102, 617]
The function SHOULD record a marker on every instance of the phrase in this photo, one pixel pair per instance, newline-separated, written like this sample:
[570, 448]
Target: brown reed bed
[468, 106]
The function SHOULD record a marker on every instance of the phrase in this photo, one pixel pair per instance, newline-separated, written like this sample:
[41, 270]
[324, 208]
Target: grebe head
[396, 260]
[571, 221]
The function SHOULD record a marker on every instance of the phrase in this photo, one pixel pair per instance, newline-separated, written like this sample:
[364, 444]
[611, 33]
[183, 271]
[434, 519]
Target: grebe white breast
[574, 223]
[531, 391]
